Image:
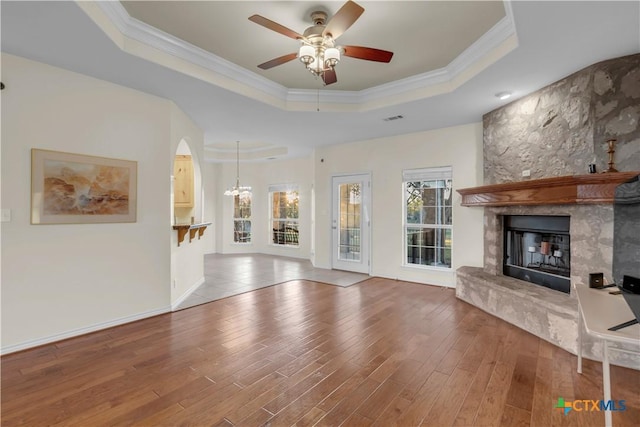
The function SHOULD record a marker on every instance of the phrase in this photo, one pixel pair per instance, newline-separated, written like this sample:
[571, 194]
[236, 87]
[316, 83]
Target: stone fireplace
[537, 152]
[545, 312]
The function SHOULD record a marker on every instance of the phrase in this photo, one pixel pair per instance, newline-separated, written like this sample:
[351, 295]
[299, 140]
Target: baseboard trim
[81, 331]
[187, 294]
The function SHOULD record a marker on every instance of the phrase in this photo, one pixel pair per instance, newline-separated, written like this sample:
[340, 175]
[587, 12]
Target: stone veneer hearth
[548, 314]
[557, 131]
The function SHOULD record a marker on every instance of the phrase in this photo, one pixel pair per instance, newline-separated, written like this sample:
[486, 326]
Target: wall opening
[183, 194]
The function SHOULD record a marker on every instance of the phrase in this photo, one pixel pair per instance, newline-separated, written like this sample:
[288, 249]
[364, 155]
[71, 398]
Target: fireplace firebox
[537, 250]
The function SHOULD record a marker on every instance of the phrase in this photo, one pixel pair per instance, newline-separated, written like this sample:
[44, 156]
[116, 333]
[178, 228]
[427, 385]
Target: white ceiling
[275, 115]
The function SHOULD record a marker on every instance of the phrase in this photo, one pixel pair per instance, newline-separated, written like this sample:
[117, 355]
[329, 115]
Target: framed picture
[77, 189]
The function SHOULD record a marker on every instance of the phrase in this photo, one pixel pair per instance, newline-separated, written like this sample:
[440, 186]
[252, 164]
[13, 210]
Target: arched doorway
[187, 253]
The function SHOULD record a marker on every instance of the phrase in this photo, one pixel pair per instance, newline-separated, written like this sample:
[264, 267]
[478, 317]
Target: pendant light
[238, 190]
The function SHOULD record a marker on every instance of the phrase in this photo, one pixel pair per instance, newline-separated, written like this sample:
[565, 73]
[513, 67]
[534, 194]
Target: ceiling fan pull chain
[318, 101]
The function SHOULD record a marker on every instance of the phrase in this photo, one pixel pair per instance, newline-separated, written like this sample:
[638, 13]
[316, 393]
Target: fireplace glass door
[537, 249]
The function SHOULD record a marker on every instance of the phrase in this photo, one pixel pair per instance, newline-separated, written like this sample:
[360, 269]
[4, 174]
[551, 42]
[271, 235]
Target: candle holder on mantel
[611, 151]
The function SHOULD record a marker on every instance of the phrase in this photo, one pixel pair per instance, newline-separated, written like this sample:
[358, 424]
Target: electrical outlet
[5, 215]
[526, 172]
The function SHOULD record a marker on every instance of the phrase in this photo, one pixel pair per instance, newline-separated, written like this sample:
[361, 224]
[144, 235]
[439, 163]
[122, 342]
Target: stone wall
[615, 104]
[562, 128]
[626, 231]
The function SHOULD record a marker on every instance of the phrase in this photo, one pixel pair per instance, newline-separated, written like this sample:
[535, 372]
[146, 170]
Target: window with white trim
[242, 218]
[284, 214]
[428, 216]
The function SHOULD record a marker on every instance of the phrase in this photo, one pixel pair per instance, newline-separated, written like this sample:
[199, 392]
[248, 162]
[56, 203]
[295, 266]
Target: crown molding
[489, 41]
[409, 84]
[414, 87]
[169, 44]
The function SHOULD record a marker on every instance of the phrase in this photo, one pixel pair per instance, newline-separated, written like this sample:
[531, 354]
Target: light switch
[5, 215]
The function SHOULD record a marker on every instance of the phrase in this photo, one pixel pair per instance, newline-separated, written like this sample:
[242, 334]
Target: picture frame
[69, 188]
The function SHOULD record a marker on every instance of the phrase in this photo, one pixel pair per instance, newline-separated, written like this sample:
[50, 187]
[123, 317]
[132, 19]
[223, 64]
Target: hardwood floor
[378, 353]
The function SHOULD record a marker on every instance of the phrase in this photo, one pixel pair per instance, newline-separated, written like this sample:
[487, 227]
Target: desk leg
[606, 383]
[580, 326]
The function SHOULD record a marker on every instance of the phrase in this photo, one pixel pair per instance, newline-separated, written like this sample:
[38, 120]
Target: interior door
[351, 223]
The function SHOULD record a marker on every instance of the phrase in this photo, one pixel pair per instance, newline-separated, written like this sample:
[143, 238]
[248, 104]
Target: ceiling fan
[318, 50]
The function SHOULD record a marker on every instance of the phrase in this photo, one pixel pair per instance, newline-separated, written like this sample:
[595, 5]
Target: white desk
[599, 311]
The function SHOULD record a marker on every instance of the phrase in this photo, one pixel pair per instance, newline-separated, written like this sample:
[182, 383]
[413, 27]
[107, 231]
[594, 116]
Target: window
[242, 218]
[284, 215]
[428, 216]
[349, 212]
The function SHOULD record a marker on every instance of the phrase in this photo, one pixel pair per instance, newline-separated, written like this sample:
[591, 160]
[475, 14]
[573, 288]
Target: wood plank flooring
[379, 353]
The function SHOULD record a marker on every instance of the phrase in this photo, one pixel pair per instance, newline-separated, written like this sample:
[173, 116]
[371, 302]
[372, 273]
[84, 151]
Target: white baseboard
[81, 331]
[187, 293]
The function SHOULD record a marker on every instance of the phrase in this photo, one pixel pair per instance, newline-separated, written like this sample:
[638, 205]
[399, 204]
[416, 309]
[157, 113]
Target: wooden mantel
[578, 189]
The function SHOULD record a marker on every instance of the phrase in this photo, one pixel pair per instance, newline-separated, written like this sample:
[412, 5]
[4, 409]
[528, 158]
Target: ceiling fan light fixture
[307, 54]
[331, 57]
[318, 50]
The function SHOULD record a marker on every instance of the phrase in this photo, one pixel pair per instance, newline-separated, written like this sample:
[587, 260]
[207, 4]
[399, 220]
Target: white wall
[259, 176]
[209, 173]
[63, 280]
[385, 158]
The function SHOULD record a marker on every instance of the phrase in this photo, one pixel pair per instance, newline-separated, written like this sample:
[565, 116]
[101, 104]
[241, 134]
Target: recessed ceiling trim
[167, 43]
[336, 96]
[501, 34]
[217, 155]
[494, 44]
[420, 81]
[492, 39]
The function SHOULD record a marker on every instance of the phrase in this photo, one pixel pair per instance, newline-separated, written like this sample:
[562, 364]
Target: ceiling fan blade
[343, 19]
[368, 53]
[278, 61]
[329, 77]
[274, 26]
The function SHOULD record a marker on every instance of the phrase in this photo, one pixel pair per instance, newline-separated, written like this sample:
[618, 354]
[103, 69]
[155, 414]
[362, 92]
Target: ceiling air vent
[392, 118]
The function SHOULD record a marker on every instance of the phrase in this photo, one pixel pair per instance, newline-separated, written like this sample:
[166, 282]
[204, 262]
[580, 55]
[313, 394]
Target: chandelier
[238, 190]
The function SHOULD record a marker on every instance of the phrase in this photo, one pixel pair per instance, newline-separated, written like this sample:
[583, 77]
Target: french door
[350, 222]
